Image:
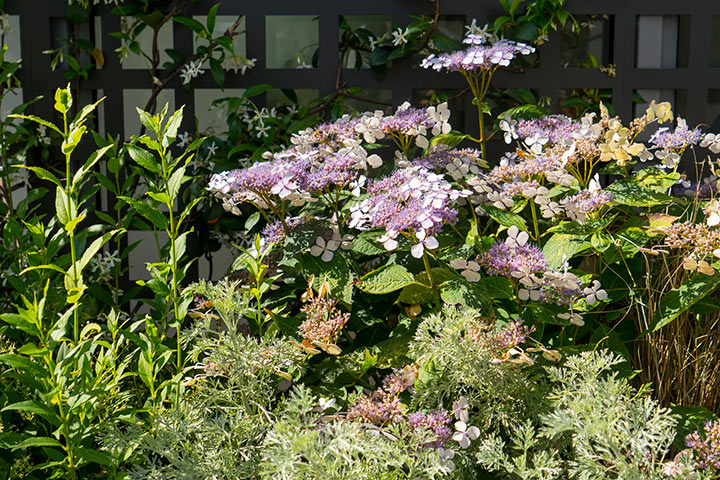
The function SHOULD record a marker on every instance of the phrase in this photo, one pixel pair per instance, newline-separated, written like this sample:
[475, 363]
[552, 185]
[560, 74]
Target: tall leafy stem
[68, 201]
[165, 176]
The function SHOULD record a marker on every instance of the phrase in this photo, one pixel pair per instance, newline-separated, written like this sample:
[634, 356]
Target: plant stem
[71, 232]
[426, 262]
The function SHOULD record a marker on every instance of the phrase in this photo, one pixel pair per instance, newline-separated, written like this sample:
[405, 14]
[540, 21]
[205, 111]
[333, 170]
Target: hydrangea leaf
[635, 195]
[466, 294]
[386, 279]
[678, 300]
[336, 272]
[563, 246]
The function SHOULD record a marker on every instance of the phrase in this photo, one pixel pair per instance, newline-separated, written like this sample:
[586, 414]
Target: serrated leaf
[678, 300]
[634, 195]
[386, 279]
[561, 247]
[467, 294]
[503, 217]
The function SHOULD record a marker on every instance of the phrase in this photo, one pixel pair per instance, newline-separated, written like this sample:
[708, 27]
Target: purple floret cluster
[478, 56]
[509, 336]
[412, 199]
[585, 202]
[503, 259]
[435, 422]
[677, 139]
[707, 451]
[556, 128]
[275, 233]
[406, 121]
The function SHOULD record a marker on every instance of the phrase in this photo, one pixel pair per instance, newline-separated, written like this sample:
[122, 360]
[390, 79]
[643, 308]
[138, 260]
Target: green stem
[73, 253]
[426, 262]
[535, 222]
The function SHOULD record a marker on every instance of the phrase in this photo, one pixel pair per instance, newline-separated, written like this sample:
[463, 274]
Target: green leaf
[177, 179]
[22, 363]
[73, 139]
[39, 120]
[336, 272]
[172, 126]
[563, 246]
[470, 295]
[144, 158]
[678, 300]
[93, 456]
[42, 173]
[365, 244]
[691, 419]
[497, 288]
[386, 279]
[150, 122]
[70, 226]
[504, 217]
[634, 195]
[416, 293]
[217, 71]
[19, 322]
[256, 90]
[152, 215]
[94, 247]
[451, 139]
[61, 207]
[212, 14]
[39, 442]
[193, 24]
[63, 99]
[86, 110]
[89, 164]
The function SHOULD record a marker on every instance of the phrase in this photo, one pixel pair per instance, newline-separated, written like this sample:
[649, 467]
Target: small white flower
[459, 409]
[184, 139]
[326, 403]
[536, 143]
[190, 71]
[508, 126]
[373, 43]
[669, 159]
[324, 249]
[574, 318]
[594, 293]
[440, 115]
[712, 210]
[470, 269]
[285, 187]
[464, 434]
[399, 36]
[422, 142]
[212, 149]
[516, 237]
[712, 142]
[388, 242]
[474, 29]
[374, 160]
[428, 242]
[550, 210]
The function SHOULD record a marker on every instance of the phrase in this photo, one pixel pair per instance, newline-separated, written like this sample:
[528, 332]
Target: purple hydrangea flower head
[412, 199]
[478, 56]
[503, 259]
[677, 139]
[556, 128]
